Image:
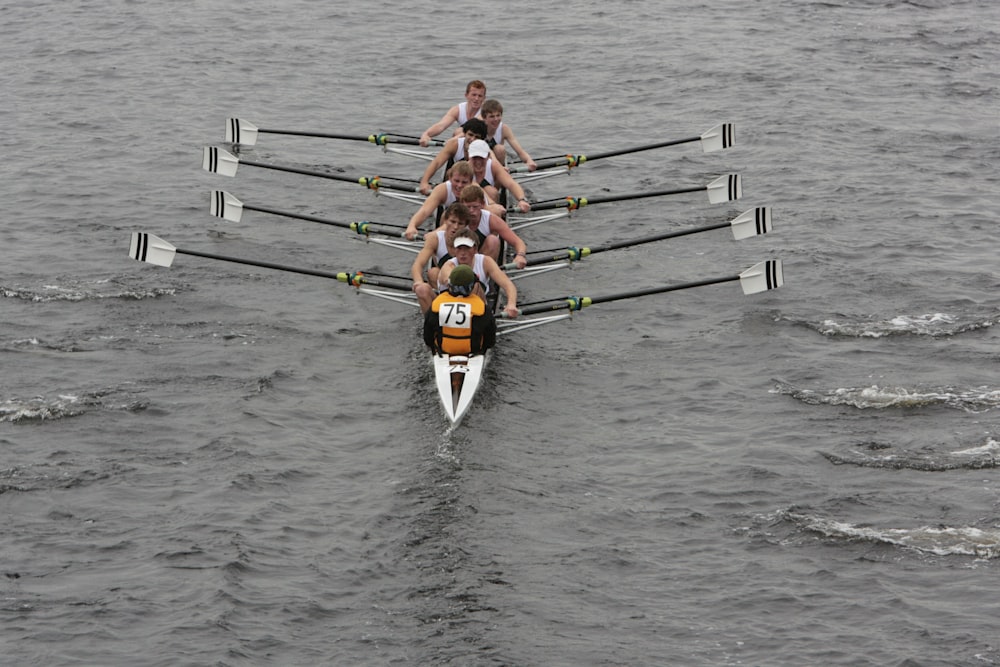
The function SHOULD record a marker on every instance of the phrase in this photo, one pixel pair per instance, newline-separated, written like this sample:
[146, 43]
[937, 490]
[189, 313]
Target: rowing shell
[458, 378]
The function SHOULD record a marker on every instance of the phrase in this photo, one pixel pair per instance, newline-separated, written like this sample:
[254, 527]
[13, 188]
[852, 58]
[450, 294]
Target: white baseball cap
[479, 148]
[464, 241]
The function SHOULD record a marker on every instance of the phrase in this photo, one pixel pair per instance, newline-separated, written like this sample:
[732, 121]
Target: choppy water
[218, 465]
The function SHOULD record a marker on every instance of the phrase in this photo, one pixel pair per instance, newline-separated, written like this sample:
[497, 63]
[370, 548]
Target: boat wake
[937, 540]
[933, 324]
[62, 406]
[881, 455]
[874, 397]
[76, 290]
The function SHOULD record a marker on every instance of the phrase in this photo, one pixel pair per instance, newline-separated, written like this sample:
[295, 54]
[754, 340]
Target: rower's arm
[503, 177]
[437, 128]
[501, 280]
[508, 136]
[441, 159]
[500, 227]
[425, 211]
[424, 256]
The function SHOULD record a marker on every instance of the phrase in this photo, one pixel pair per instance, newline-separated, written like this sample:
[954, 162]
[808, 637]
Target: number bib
[455, 315]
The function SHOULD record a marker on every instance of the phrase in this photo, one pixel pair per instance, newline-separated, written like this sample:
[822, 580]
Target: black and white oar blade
[243, 132]
[718, 138]
[723, 189]
[219, 161]
[226, 206]
[762, 277]
[754, 222]
[151, 249]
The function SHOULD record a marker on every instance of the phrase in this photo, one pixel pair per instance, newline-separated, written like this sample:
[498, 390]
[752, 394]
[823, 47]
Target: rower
[453, 151]
[438, 248]
[492, 175]
[497, 133]
[458, 321]
[489, 273]
[441, 196]
[475, 93]
[490, 227]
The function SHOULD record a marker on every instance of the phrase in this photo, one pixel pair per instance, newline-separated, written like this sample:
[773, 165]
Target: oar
[220, 161]
[154, 250]
[718, 138]
[723, 189]
[753, 222]
[245, 133]
[228, 207]
[760, 277]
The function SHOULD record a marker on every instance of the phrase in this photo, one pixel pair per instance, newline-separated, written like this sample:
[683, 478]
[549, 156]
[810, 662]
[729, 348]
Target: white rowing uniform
[458, 156]
[497, 138]
[442, 249]
[451, 198]
[488, 177]
[484, 224]
[477, 268]
[463, 113]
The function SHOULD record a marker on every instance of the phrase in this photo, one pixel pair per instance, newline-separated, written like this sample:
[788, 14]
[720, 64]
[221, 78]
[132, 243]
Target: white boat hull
[458, 378]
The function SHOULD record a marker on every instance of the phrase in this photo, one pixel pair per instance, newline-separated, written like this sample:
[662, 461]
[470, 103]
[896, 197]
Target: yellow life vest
[454, 319]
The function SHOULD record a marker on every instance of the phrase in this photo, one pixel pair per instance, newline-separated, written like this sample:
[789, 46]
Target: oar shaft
[261, 264]
[577, 303]
[577, 202]
[638, 149]
[342, 277]
[320, 135]
[579, 253]
[658, 237]
[574, 160]
[297, 170]
[643, 195]
[372, 182]
[379, 138]
[359, 227]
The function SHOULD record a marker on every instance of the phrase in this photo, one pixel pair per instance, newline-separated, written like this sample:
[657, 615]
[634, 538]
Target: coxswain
[458, 321]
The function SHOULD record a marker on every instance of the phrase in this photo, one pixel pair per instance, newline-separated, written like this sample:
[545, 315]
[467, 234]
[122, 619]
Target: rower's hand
[425, 189]
[511, 311]
[410, 233]
[425, 139]
[531, 165]
[520, 261]
[523, 205]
